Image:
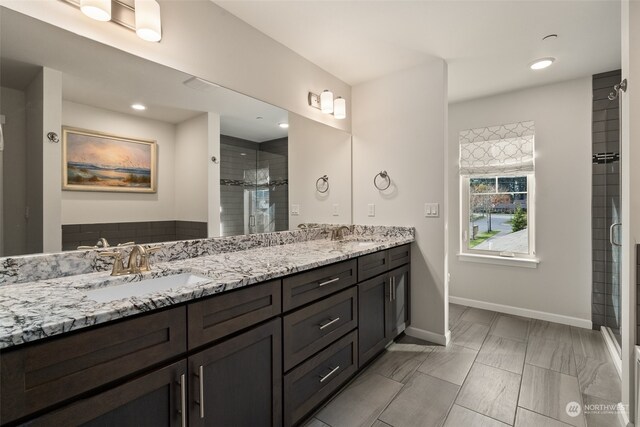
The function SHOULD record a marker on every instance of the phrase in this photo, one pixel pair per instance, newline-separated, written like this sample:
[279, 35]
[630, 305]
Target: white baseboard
[524, 312]
[428, 335]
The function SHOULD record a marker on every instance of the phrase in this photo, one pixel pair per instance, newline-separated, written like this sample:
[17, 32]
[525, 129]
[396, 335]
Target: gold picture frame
[98, 161]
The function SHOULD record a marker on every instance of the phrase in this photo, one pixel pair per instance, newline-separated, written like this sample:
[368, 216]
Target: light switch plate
[336, 209]
[431, 210]
[295, 210]
[371, 209]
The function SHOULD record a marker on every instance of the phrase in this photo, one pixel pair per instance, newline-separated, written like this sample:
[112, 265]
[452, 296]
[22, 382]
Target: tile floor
[499, 370]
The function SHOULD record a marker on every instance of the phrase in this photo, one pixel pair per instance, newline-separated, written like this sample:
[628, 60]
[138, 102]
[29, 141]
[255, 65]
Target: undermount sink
[143, 287]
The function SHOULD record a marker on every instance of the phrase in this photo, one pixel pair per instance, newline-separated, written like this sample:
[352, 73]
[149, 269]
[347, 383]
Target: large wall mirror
[222, 163]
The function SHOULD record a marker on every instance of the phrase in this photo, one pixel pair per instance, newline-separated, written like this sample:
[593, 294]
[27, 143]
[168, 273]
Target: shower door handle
[611, 233]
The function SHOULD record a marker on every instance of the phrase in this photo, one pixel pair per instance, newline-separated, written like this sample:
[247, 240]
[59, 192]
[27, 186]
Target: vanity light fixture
[138, 107]
[326, 103]
[541, 63]
[283, 125]
[100, 10]
[340, 108]
[148, 25]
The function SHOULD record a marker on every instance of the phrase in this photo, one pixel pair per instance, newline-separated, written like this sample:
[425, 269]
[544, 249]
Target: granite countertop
[35, 310]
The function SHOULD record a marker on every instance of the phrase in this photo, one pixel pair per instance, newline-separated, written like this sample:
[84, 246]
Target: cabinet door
[239, 381]
[374, 305]
[399, 316]
[153, 400]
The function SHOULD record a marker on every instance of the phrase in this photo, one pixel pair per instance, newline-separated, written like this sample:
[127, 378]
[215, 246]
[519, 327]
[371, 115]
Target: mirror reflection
[221, 158]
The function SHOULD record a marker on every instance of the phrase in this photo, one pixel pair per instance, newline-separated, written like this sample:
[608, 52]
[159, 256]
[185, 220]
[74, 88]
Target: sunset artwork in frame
[96, 161]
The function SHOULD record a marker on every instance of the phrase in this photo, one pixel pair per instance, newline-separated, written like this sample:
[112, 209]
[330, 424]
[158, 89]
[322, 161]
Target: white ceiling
[101, 76]
[488, 45]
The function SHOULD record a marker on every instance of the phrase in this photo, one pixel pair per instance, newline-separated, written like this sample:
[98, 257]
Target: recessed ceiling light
[138, 107]
[283, 125]
[541, 63]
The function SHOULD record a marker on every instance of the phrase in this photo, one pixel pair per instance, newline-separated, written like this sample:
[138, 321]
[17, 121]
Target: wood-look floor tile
[600, 412]
[455, 311]
[550, 330]
[589, 343]
[512, 327]
[314, 422]
[450, 363]
[548, 392]
[468, 334]
[503, 353]
[478, 315]
[424, 401]
[526, 418]
[599, 379]
[400, 361]
[490, 391]
[551, 354]
[459, 417]
[379, 423]
[361, 402]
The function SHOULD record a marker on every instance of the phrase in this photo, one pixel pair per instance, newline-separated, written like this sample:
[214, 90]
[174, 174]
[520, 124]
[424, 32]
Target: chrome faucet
[338, 232]
[138, 260]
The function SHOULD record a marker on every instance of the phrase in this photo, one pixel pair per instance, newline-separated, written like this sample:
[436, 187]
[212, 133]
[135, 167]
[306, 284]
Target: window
[497, 186]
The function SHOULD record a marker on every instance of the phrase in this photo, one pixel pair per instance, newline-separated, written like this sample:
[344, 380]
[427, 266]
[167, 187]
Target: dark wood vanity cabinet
[239, 381]
[263, 355]
[383, 304]
[153, 400]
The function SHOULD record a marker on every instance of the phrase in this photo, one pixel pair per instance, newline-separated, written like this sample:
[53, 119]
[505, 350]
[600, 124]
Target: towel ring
[384, 175]
[322, 184]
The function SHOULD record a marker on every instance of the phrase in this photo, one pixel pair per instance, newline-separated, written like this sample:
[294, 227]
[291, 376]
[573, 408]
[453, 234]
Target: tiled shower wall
[605, 203]
[238, 155]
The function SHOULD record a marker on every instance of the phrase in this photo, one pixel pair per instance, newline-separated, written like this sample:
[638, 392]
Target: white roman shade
[497, 150]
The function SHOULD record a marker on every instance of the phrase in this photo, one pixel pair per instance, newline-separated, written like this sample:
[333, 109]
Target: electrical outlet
[431, 210]
[295, 210]
[371, 209]
[336, 209]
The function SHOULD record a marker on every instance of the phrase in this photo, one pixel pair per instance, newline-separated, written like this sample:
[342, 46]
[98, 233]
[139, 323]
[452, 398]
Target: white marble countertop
[35, 310]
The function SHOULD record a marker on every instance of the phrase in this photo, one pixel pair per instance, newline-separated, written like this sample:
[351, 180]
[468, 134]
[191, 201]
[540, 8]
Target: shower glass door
[253, 186]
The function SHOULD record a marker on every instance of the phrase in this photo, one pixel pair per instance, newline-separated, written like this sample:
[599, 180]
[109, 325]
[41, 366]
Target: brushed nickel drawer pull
[183, 401]
[333, 371]
[393, 280]
[329, 323]
[328, 282]
[200, 403]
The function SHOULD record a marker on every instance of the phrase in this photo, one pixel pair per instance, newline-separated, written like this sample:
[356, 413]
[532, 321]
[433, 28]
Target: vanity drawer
[224, 314]
[373, 264]
[316, 379]
[41, 375]
[312, 328]
[306, 287]
[400, 255]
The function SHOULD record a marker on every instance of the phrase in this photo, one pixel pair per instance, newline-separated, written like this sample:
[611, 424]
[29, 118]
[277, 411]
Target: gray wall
[14, 166]
[605, 203]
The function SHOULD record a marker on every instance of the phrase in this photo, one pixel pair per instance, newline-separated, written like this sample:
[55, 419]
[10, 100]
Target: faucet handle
[144, 258]
[118, 267]
[126, 244]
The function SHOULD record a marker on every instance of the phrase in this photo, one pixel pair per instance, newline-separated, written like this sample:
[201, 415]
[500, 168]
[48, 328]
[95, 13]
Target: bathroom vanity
[271, 334]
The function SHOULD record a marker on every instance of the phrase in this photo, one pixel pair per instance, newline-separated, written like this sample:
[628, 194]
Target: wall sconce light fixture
[100, 10]
[143, 16]
[148, 25]
[327, 104]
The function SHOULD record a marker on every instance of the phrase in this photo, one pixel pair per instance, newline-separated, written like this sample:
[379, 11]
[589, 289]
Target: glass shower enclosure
[253, 186]
[606, 209]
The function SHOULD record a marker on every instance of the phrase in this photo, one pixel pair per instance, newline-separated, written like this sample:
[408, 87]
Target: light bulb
[340, 108]
[326, 102]
[100, 10]
[148, 24]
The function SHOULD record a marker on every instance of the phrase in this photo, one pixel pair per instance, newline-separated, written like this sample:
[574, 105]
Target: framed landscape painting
[94, 161]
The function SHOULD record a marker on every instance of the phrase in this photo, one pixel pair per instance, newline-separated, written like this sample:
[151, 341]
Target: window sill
[499, 260]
